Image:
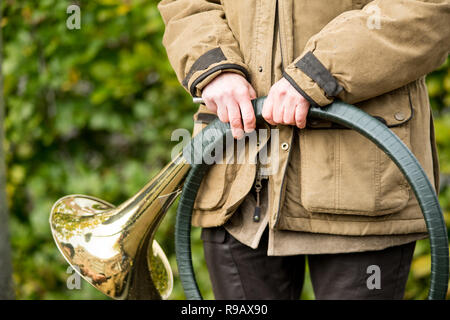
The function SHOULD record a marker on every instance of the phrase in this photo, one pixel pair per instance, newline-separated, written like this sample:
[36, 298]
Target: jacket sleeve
[364, 53]
[199, 43]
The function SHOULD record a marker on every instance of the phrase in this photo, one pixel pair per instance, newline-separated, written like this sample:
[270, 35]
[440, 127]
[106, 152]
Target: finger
[248, 115]
[210, 104]
[234, 115]
[278, 108]
[222, 112]
[301, 111]
[267, 111]
[289, 112]
[251, 92]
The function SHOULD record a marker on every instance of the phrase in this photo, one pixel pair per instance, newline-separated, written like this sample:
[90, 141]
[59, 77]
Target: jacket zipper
[259, 177]
[258, 187]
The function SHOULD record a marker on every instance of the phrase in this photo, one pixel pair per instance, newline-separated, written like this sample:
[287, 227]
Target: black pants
[239, 272]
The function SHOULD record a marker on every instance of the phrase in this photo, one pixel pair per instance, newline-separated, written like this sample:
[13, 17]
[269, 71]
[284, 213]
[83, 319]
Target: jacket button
[285, 146]
[260, 69]
[400, 116]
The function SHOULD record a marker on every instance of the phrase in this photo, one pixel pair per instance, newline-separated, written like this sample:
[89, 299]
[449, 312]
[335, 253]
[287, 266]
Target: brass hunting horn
[113, 248]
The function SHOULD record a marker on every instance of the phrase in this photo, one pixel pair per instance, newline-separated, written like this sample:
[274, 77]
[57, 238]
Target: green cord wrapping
[215, 132]
[350, 117]
[183, 232]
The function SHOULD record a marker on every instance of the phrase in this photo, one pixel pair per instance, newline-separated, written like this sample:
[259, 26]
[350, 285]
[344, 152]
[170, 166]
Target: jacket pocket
[344, 173]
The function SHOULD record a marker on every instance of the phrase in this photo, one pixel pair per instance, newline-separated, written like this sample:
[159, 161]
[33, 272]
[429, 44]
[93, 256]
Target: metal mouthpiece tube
[197, 100]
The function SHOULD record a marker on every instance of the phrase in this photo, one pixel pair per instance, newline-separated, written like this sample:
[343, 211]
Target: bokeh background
[91, 111]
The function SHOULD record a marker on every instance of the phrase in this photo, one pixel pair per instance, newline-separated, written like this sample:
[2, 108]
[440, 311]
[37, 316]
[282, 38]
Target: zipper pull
[257, 213]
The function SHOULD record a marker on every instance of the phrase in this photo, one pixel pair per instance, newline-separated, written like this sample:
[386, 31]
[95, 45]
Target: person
[333, 199]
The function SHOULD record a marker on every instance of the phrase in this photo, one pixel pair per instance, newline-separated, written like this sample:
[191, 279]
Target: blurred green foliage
[91, 111]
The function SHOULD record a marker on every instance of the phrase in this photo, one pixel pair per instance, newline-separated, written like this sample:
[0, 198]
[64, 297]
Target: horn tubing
[358, 120]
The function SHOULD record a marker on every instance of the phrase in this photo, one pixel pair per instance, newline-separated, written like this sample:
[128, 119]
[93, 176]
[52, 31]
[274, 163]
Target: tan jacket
[374, 54]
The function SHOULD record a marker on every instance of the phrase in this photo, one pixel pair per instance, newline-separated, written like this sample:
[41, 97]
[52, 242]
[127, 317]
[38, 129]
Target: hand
[229, 95]
[285, 105]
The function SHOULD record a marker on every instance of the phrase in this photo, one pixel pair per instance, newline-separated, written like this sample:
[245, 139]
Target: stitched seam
[256, 27]
[281, 28]
[377, 180]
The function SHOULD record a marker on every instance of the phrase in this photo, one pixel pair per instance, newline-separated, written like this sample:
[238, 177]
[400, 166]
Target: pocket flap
[393, 109]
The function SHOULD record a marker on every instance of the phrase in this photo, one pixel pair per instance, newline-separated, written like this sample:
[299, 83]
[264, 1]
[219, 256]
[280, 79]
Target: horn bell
[111, 247]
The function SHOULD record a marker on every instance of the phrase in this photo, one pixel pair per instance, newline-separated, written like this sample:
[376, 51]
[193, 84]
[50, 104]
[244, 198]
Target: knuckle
[240, 92]
[282, 91]
[287, 119]
[223, 117]
[208, 101]
[249, 122]
[300, 123]
[235, 122]
[302, 115]
[221, 95]
[277, 119]
[267, 114]
[251, 117]
[268, 117]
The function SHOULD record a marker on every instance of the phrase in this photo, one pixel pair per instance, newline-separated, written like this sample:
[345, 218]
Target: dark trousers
[239, 272]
